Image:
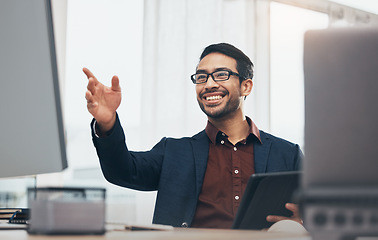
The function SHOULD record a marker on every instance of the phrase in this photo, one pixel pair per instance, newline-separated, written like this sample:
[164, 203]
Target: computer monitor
[31, 125]
[339, 197]
[341, 96]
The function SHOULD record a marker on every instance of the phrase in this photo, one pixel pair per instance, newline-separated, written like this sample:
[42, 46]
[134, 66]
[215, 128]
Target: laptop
[266, 194]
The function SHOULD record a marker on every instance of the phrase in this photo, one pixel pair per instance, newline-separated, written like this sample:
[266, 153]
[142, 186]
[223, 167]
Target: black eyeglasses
[217, 76]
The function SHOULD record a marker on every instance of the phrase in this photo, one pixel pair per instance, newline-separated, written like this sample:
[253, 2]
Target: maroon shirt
[228, 170]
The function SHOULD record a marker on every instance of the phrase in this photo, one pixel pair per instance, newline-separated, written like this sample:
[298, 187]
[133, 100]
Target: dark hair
[243, 64]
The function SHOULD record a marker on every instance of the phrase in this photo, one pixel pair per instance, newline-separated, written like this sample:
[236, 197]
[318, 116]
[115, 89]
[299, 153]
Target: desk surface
[176, 234]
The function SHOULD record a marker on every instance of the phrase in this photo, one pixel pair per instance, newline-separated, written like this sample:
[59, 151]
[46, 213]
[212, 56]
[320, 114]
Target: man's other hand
[291, 207]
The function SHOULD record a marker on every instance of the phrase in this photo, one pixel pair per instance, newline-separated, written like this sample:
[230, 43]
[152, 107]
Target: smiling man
[200, 179]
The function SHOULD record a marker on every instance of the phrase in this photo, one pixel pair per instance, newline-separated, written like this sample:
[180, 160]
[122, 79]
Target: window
[287, 27]
[105, 36]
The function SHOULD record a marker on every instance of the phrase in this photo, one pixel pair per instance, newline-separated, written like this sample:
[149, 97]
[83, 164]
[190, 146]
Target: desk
[176, 234]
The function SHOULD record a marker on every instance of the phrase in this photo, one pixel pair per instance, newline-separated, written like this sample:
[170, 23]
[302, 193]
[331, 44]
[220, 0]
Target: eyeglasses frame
[212, 76]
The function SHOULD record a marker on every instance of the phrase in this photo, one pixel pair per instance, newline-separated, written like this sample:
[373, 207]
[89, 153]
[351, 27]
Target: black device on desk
[13, 218]
[14, 215]
[266, 194]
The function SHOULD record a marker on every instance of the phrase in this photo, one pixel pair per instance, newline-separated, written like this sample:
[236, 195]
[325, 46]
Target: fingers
[115, 84]
[88, 96]
[90, 75]
[293, 208]
[296, 214]
[274, 218]
[91, 85]
[91, 103]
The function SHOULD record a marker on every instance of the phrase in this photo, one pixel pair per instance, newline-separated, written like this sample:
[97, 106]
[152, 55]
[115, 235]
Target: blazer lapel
[261, 153]
[200, 144]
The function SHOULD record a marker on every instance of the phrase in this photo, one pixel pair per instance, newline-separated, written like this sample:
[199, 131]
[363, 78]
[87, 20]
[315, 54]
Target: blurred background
[154, 46]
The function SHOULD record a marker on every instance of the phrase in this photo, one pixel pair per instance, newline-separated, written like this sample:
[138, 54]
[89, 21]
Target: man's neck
[236, 127]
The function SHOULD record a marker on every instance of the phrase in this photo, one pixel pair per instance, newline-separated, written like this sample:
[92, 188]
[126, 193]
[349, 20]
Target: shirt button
[235, 149]
[222, 142]
[236, 171]
[184, 224]
[236, 197]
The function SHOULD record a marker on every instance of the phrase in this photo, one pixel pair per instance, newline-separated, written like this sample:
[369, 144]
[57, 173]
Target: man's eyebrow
[217, 69]
[201, 71]
[223, 69]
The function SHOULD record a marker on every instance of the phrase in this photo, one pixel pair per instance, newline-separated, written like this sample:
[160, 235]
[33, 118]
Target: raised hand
[102, 101]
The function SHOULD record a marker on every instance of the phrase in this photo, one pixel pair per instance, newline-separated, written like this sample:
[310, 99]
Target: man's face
[218, 99]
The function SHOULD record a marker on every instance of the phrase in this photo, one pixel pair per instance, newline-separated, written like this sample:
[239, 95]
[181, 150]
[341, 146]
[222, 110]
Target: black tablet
[266, 194]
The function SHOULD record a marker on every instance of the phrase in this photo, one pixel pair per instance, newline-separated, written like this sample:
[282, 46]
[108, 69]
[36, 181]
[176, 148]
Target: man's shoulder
[284, 155]
[267, 137]
[199, 135]
[197, 141]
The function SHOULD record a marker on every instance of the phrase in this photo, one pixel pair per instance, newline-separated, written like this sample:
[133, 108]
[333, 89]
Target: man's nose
[211, 83]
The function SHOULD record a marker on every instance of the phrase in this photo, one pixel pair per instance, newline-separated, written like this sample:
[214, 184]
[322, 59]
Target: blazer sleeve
[136, 170]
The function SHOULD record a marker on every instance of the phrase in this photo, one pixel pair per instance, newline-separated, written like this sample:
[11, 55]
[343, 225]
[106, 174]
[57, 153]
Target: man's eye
[201, 76]
[221, 74]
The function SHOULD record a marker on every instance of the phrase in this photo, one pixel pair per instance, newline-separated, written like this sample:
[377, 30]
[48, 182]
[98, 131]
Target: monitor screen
[31, 125]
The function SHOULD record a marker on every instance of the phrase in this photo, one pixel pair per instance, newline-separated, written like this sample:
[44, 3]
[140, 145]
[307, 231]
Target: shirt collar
[212, 132]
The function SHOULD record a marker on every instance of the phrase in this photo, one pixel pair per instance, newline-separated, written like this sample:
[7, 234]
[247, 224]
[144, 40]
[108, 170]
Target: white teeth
[213, 98]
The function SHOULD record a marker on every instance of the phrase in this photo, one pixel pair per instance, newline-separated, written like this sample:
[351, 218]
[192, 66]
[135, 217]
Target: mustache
[224, 91]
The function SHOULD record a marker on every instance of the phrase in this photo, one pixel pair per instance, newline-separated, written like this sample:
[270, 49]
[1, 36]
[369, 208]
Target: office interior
[153, 46]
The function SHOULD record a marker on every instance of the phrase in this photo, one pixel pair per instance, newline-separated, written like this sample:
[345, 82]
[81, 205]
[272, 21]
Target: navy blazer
[176, 168]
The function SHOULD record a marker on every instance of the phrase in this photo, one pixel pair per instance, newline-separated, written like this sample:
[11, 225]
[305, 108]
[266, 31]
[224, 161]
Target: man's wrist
[106, 126]
[103, 130]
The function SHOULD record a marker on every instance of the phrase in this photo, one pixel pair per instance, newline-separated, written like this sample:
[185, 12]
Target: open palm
[102, 101]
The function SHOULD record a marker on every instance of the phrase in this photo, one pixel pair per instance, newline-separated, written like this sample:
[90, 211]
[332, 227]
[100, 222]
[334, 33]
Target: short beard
[231, 107]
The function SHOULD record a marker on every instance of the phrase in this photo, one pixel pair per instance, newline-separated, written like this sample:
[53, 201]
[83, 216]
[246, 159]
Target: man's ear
[246, 87]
